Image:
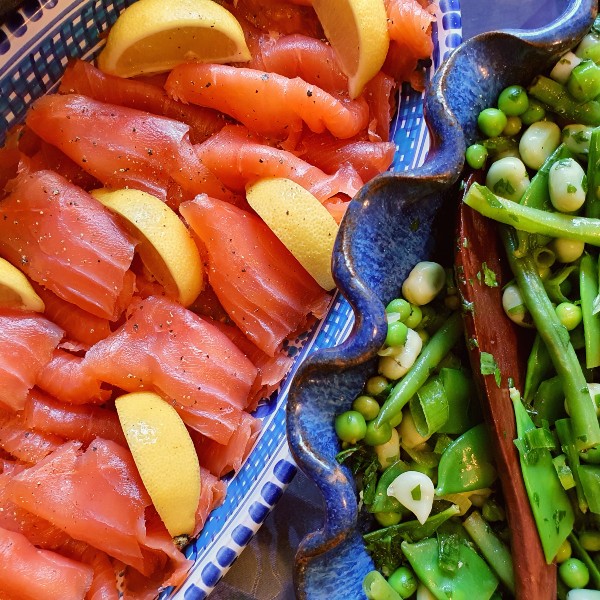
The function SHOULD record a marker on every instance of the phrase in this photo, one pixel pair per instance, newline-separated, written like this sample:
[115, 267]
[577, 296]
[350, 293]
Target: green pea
[590, 540]
[376, 385]
[367, 406]
[350, 426]
[535, 112]
[513, 101]
[476, 155]
[574, 573]
[376, 436]
[513, 126]
[396, 334]
[416, 314]
[564, 552]
[385, 519]
[491, 121]
[400, 306]
[570, 314]
[404, 581]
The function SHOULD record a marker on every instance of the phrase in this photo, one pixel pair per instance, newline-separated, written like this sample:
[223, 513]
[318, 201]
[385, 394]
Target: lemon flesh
[16, 291]
[165, 457]
[153, 36]
[358, 32]
[167, 248]
[300, 221]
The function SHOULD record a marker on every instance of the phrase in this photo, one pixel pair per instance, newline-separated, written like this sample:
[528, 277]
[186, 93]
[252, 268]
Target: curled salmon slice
[168, 349]
[66, 378]
[81, 77]
[66, 241]
[260, 284]
[94, 496]
[124, 147]
[267, 103]
[27, 341]
[55, 576]
[46, 414]
[237, 157]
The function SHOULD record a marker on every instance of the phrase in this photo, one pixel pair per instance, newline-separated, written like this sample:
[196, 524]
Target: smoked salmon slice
[237, 158]
[265, 291]
[81, 77]
[267, 103]
[94, 496]
[26, 344]
[276, 15]
[212, 494]
[330, 154]
[66, 241]
[31, 573]
[66, 378]
[296, 55]
[168, 349]
[78, 324]
[21, 442]
[124, 147]
[221, 459]
[271, 369]
[46, 414]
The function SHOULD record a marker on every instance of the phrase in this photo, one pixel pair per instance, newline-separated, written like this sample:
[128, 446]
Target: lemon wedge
[358, 32]
[300, 221]
[165, 457]
[167, 248]
[153, 36]
[16, 291]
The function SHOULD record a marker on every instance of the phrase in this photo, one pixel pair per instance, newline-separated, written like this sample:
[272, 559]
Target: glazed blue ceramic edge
[391, 224]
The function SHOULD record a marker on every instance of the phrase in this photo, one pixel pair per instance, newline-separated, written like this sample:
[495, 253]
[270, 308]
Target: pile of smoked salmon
[73, 510]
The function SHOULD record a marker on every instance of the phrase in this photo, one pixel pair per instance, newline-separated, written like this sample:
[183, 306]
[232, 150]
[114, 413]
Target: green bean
[539, 366]
[555, 336]
[434, 351]
[564, 430]
[588, 289]
[493, 549]
[556, 97]
[532, 220]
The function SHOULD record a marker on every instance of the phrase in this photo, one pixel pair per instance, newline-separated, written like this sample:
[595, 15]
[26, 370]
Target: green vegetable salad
[421, 454]
[414, 437]
[541, 156]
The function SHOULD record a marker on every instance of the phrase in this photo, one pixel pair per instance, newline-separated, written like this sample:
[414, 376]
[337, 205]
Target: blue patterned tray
[35, 45]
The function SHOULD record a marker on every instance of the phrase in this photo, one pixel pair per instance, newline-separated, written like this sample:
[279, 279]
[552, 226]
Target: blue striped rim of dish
[36, 43]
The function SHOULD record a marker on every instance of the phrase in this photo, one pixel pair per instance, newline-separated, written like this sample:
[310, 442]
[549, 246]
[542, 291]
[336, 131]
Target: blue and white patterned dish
[395, 221]
[35, 45]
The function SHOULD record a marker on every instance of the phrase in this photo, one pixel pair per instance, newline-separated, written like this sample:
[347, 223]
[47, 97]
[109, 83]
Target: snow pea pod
[466, 464]
[474, 579]
[549, 502]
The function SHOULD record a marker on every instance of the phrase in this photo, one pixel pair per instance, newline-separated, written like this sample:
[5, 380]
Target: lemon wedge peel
[16, 291]
[167, 248]
[165, 456]
[358, 32]
[154, 36]
[300, 221]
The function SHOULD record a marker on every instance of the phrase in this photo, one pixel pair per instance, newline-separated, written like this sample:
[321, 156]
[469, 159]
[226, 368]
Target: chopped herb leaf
[489, 367]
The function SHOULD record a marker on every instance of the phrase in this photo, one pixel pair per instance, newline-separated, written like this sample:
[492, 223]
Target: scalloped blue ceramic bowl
[397, 220]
